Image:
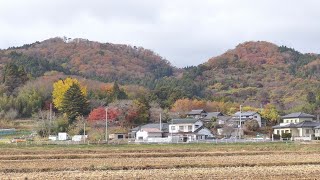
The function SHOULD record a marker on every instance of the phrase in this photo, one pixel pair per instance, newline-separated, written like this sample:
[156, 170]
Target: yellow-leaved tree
[61, 87]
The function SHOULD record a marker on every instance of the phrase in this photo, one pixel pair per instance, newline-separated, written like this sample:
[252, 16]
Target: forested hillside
[101, 61]
[254, 74]
[258, 73]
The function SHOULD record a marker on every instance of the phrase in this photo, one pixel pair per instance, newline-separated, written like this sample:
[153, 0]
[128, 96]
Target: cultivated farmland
[192, 161]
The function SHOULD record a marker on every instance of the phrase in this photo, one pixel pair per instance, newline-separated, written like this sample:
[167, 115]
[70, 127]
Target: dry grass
[162, 162]
[272, 172]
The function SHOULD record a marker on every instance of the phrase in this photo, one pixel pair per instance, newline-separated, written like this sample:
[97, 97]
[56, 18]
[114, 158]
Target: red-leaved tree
[99, 114]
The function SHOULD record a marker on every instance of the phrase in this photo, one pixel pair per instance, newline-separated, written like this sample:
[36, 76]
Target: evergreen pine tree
[74, 103]
[13, 77]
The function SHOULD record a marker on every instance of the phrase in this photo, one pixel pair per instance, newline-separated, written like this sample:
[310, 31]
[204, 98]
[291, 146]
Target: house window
[173, 128]
[278, 131]
[307, 131]
[255, 116]
[120, 136]
[190, 128]
[180, 128]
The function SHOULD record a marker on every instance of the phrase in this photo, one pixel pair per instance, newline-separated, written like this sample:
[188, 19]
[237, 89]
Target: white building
[145, 133]
[300, 125]
[188, 130]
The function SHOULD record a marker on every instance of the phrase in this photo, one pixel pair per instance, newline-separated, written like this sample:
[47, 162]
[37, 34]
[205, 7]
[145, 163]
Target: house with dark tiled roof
[197, 114]
[300, 125]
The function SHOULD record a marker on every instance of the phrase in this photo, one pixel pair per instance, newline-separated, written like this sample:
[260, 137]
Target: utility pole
[107, 125]
[50, 118]
[84, 130]
[240, 122]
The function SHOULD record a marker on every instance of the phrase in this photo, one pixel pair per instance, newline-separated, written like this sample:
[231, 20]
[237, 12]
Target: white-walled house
[145, 133]
[164, 129]
[300, 125]
[188, 130]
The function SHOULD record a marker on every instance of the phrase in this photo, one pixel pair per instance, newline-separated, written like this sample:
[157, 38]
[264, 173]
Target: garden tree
[251, 125]
[13, 77]
[74, 103]
[61, 87]
[270, 113]
[99, 114]
[227, 130]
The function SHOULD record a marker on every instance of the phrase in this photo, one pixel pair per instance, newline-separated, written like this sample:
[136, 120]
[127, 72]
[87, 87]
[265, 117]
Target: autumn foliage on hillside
[102, 61]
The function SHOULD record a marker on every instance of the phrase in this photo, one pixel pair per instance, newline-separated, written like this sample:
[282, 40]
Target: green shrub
[286, 135]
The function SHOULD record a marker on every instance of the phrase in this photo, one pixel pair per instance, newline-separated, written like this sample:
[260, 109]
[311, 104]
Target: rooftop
[165, 127]
[310, 124]
[183, 121]
[196, 111]
[245, 113]
[298, 115]
[151, 130]
[211, 115]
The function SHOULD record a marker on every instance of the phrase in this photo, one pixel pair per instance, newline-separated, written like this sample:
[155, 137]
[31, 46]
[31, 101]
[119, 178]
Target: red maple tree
[99, 114]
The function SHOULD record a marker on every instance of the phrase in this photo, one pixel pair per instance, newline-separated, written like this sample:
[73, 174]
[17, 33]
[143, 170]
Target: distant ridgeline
[254, 73]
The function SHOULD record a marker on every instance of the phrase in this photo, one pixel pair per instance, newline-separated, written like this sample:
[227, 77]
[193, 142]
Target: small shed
[79, 138]
[118, 136]
[63, 136]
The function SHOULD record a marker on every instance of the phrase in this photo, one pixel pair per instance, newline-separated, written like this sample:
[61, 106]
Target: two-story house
[299, 125]
[247, 115]
[188, 130]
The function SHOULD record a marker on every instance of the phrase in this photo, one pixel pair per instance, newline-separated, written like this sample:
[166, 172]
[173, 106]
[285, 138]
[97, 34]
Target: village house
[164, 129]
[197, 114]
[145, 133]
[300, 125]
[188, 130]
[247, 115]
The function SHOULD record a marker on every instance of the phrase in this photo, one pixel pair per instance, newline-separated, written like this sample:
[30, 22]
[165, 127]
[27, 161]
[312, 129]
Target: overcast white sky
[186, 32]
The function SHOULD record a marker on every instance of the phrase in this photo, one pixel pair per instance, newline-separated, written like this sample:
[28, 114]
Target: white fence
[177, 140]
[308, 138]
[154, 140]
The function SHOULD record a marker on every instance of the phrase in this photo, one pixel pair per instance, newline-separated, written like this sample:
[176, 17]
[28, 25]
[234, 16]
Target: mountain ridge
[253, 73]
